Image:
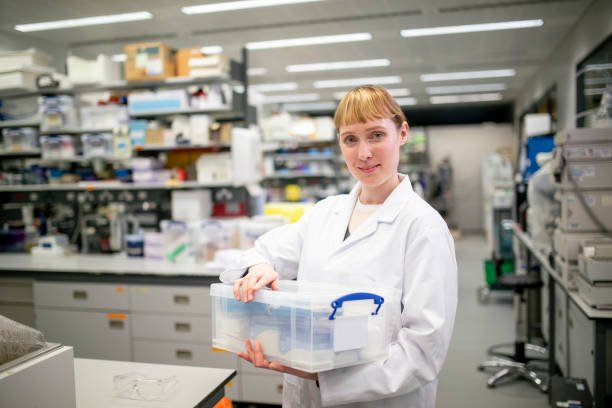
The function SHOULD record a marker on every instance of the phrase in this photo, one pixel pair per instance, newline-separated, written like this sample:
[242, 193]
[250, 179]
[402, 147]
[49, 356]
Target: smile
[368, 169]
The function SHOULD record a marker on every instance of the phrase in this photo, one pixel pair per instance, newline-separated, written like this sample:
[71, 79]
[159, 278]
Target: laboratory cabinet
[561, 340]
[17, 300]
[581, 345]
[262, 388]
[171, 327]
[171, 299]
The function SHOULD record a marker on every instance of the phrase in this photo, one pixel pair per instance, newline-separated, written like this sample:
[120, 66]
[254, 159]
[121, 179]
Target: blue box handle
[378, 300]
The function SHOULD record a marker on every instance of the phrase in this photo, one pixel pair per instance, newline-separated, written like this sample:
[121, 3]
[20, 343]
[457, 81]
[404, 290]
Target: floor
[478, 326]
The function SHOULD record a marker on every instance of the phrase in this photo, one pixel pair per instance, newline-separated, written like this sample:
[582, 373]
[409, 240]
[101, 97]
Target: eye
[349, 140]
[376, 136]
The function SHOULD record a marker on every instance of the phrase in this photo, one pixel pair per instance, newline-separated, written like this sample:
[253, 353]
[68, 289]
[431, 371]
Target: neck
[378, 194]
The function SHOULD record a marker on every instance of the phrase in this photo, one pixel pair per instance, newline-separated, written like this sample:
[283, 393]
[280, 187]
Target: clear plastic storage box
[19, 139]
[309, 326]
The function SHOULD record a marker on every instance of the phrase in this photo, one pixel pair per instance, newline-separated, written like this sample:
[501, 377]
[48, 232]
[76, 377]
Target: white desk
[198, 386]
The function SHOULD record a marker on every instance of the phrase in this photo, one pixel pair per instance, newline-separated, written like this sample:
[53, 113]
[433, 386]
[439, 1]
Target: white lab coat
[404, 244]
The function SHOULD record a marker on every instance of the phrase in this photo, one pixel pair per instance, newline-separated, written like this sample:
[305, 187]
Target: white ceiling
[523, 50]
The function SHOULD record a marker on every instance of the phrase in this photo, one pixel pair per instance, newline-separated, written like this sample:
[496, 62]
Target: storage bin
[19, 139]
[99, 71]
[192, 62]
[23, 79]
[309, 326]
[13, 60]
[57, 147]
[139, 102]
[57, 112]
[96, 145]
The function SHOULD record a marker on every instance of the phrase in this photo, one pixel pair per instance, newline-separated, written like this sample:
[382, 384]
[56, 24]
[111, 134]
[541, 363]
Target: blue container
[535, 145]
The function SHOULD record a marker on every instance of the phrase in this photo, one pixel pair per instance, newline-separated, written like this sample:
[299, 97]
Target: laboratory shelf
[304, 156]
[112, 185]
[75, 131]
[181, 148]
[23, 153]
[32, 122]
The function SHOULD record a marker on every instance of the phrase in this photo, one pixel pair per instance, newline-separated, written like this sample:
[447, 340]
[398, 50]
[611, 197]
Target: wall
[591, 29]
[466, 146]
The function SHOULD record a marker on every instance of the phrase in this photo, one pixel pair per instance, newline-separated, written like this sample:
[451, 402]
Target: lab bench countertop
[117, 264]
[197, 386]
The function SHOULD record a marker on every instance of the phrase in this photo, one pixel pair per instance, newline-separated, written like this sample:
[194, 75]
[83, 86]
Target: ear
[404, 133]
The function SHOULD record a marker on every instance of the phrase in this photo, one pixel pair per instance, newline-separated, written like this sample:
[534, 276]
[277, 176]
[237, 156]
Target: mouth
[368, 169]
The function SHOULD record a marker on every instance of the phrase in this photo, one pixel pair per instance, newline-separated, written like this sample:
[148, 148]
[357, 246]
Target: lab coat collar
[392, 205]
[387, 212]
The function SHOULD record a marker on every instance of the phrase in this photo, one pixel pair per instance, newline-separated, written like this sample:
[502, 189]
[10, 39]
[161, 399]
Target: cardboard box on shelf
[149, 61]
[192, 62]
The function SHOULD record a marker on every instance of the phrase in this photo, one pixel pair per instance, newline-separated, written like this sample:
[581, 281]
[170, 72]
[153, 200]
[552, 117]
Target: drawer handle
[279, 388]
[79, 294]
[181, 299]
[182, 327]
[115, 324]
[184, 354]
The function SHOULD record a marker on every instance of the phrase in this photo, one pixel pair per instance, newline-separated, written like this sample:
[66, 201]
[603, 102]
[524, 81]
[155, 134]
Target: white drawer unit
[171, 327]
[561, 329]
[574, 218]
[581, 345]
[164, 352]
[81, 295]
[264, 387]
[92, 334]
[171, 299]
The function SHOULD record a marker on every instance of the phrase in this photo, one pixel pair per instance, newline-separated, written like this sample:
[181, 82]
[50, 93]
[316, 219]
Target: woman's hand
[258, 276]
[255, 356]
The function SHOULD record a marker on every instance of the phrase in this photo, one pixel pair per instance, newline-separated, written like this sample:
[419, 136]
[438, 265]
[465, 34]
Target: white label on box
[350, 333]
[154, 66]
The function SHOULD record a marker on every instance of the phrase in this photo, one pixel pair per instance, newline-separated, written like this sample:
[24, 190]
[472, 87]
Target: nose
[364, 152]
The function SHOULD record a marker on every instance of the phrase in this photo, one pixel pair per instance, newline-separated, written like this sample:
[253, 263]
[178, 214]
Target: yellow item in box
[149, 61]
[291, 211]
[154, 137]
[220, 132]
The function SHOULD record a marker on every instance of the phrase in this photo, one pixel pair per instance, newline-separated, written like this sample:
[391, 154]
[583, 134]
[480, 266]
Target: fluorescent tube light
[87, 21]
[450, 76]
[212, 49]
[470, 28]
[312, 106]
[337, 83]
[256, 71]
[281, 86]
[406, 101]
[306, 97]
[299, 42]
[239, 88]
[327, 66]
[238, 5]
[399, 92]
[119, 57]
[442, 90]
[466, 98]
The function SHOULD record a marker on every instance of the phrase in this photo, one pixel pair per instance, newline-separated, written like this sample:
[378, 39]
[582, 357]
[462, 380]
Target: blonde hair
[366, 103]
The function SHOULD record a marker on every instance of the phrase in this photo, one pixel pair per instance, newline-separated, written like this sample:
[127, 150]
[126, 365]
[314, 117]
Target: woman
[381, 233]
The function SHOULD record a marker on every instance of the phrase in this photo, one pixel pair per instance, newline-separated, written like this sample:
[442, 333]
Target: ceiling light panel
[304, 41]
[239, 5]
[348, 82]
[442, 90]
[256, 71]
[465, 98]
[393, 92]
[212, 49]
[470, 28]
[86, 21]
[328, 66]
[406, 101]
[451, 76]
[281, 86]
[306, 97]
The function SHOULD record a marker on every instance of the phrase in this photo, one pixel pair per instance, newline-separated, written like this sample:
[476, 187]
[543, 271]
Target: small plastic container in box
[309, 326]
[57, 147]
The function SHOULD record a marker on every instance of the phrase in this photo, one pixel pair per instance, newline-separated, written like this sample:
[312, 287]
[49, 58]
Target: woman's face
[371, 150]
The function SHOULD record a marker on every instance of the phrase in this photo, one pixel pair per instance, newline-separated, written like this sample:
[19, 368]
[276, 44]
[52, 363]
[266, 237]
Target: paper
[350, 333]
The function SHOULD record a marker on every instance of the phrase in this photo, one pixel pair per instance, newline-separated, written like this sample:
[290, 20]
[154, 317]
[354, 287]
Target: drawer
[173, 327]
[81, 295]
[92, 334]
[202, 354]
[262, 388]
[172, 299]
[16, 291]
